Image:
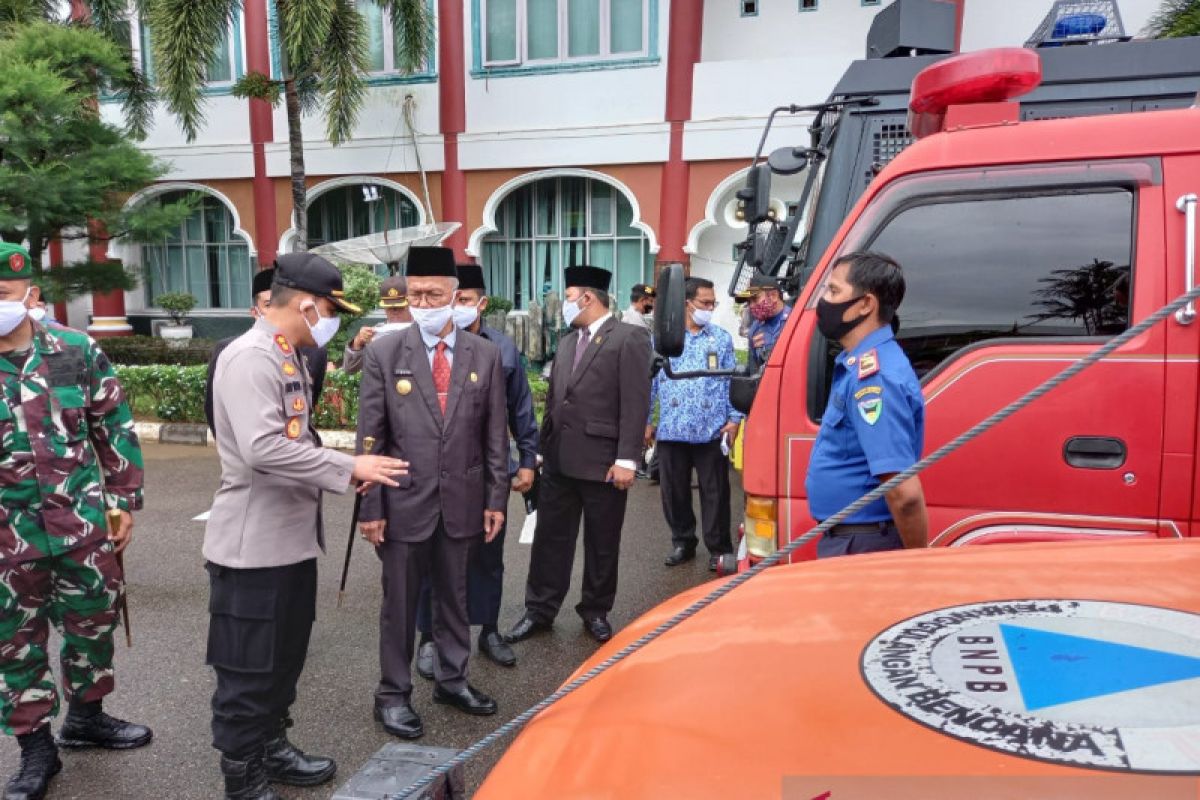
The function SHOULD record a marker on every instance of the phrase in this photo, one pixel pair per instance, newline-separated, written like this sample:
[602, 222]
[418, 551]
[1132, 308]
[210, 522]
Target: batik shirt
[694, 410]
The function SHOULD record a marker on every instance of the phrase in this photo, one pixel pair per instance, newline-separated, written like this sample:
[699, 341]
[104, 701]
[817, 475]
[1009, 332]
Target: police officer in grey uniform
[393, 299]
[264, 532]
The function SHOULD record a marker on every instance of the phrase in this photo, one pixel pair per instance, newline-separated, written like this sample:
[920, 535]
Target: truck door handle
[1094, 452]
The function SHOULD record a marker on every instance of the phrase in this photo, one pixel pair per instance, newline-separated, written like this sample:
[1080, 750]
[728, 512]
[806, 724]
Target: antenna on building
[1072, 22]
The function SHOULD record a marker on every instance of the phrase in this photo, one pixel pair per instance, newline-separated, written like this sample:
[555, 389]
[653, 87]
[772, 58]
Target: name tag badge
[712, 360]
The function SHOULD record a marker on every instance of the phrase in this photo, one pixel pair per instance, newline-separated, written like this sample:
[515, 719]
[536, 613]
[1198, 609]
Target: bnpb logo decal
[1084, 683]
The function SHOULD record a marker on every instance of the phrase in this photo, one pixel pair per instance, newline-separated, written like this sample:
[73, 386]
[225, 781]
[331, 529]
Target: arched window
[554, 223]
[349, 211]
[203, 257]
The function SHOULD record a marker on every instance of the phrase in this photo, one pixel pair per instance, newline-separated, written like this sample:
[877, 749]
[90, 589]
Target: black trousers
[258, 631]
[832, 545]
[406, 565]
[485, 585]
[561, 503]
[676, 462]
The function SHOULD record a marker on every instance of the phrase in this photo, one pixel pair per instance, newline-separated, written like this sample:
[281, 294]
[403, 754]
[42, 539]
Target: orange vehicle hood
[768, 686]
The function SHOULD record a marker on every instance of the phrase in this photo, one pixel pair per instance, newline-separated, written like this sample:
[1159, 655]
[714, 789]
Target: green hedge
[176, 394]
[151, 350]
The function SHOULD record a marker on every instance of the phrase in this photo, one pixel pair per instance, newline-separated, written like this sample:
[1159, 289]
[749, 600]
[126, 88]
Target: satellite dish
[388, 247]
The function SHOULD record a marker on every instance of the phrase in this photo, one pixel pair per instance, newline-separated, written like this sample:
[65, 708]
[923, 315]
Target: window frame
[182, 241]
[234, 37]
[967, 185]
[805, 9]
[746, 13]
[390, 73]
[484, 66]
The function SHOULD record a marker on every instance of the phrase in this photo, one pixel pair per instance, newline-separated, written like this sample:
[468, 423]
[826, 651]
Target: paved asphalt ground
[164, 683]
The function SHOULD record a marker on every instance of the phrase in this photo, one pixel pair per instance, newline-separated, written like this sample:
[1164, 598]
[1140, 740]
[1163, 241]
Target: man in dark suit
[591, 439]
[436, 394]
[315, 359]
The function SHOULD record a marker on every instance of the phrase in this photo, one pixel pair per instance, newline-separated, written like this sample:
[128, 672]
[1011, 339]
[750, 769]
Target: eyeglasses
[430, 299]
[707, 306]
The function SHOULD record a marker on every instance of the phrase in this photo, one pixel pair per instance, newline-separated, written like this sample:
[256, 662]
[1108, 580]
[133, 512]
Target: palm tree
[1175, 19]
[111, 19]
[325, 58]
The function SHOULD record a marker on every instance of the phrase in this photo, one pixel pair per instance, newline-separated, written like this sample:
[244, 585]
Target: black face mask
[829, 318]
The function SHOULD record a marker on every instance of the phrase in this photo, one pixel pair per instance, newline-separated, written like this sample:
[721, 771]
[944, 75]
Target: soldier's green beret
[15, 263]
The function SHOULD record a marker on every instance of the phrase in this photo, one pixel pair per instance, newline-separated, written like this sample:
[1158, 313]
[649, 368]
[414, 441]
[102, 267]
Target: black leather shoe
[401, 721]
[39, 763]
[713, 560]
[426, 653]
[492, 645]
[680, 554]
[98, 729]
[247, 779]
[468, 699]
[598, 628]
[526, 626]
[286, 763]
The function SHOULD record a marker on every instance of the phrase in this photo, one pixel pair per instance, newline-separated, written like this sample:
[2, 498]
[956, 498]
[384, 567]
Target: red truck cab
[1025, 245]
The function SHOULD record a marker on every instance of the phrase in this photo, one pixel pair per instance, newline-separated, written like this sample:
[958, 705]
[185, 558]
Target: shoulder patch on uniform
[867, 390]
[292, 431]
[870, 407]
[282, 343]
[868, 364]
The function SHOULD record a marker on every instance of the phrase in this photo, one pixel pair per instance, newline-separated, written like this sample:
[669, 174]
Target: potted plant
[177, 304]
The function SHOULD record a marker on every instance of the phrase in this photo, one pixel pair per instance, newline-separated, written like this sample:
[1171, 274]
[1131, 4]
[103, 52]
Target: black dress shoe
[246, 779]
[468, 699]
[400, 721]
[492, 645]
[39, 763]
[426, 653]
[526, 626]
[286, 763]
[680, 554]
[598, 628]
[94, 728]
[713, 560]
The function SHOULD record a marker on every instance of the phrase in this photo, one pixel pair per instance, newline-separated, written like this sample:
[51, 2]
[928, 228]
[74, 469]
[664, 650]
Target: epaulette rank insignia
[868, 364]
[282, 343]
[289, 368]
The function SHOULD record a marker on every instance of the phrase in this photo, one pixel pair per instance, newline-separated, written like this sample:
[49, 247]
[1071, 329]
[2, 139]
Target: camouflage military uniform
[67, 451]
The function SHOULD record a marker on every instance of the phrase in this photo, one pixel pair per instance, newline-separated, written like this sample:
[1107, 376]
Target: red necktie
[441, 375]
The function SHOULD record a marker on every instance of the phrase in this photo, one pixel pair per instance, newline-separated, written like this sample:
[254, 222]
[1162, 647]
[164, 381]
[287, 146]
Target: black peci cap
[585, 277]
[430, 262]
[262, 281]
[470, 276]
[308, 272]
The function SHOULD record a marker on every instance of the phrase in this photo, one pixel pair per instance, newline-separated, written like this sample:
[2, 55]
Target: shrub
[177, 304]
[497, 304]
[171, 393]
[151, 350]
[338, 407]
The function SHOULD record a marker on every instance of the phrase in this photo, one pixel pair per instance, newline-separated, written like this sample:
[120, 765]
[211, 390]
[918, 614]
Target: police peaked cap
[393, 292]
[430, 262]
[470, 276]
[763, 281]
[15, 263]
[643, 290]
[308, 272]
[585, 277]
[262, 281]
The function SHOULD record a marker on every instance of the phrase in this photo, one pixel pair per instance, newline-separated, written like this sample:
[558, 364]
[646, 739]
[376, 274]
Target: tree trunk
[296, 148]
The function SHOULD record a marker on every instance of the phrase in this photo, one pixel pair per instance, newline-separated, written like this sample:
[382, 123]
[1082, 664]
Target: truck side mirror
[670, 315]
[743, 386]
[756, 194]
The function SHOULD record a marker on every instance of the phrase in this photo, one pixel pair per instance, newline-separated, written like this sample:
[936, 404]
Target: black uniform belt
[861, 527]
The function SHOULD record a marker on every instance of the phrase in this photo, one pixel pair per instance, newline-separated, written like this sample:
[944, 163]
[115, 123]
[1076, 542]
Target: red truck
[1027, 241]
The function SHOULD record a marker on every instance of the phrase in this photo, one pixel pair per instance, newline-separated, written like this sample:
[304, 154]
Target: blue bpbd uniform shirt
[874, 425]
[694, 410]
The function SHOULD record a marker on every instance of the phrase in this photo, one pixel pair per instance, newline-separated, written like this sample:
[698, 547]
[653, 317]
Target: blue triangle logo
[1054, 668]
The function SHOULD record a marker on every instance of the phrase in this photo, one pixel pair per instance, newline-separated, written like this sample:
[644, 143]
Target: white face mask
[433, 320]
[326, 327]
[384, 328]
[571, 310]
[12, 313]
[702, 316]
[37, 313]
[465, 316]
